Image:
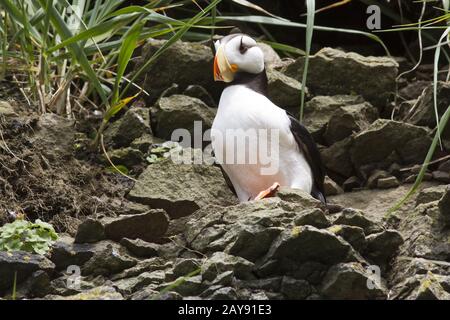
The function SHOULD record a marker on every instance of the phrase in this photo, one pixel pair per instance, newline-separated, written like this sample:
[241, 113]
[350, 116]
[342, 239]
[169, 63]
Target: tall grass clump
[73, 54]
[441, 122]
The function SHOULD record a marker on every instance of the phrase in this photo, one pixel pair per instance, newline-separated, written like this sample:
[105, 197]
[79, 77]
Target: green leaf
[24, 235]
[95, 31]
[129, 44]
[120, 169]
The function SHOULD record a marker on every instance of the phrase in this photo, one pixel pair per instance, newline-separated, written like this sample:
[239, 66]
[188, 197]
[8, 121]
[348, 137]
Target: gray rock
[431, 194]
[294, 289]
[224, 279]
[221, 262]
[226, 293]
[144, 142]
[441, 176]
[306, 243]
[6, 109]
[183, 63]
[271, 57]
[145, 294]
[140, 248]
[424, 112]
[127, 157]
[184, 267]
[429, 289]
[181, 189]
[149, 226]
[199, 92]
[149, 280]
[90, 230]
[132, 125]
[332, 71]
[382, 246]
[336, 158]
[320, 109]
[331, 188]
[180, 112]
[413, 89]
[352, 183]
[312, 217]
[421, 228]
[253, 242]
[98, 293]
[418, 278]
[60, 287]
[106, 262]
[22, 263]
[172, 249]
[350, 281]
[354, 217]
[39, 284]
[170, 91]
[372, 181]
[353, 235]
[413, 177]
[284, 91]
[444, 166]
[247, 229]
[444, 206]
[410, 143]
[298, 196]
[350, 119]
[388, 182]
[65, 252]
[148, 265]
[54, 131]
[272, 284]
[191, 286]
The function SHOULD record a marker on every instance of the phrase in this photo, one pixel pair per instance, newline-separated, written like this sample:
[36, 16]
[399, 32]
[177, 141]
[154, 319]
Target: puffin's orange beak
[223, 70]
[217, 75]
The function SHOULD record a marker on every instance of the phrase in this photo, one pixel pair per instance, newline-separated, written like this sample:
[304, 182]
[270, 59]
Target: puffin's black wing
[309, 149]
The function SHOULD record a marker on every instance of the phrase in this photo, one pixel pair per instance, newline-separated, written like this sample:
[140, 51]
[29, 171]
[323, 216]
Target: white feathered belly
[243, 109]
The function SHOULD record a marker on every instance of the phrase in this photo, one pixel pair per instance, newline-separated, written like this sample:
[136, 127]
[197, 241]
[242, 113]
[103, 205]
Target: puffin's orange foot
[270, 192]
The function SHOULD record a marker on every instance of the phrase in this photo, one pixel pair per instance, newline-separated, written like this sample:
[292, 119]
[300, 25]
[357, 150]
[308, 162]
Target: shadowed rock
[22, 263]
[149, 226]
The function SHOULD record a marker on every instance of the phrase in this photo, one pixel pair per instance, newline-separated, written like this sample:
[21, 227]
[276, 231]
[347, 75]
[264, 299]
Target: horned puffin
[244, 107]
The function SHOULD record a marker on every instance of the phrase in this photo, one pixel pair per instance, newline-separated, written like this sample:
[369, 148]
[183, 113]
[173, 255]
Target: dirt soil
[42, 174]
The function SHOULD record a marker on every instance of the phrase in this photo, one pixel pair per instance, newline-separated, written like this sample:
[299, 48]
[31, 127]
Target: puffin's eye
[242, 47]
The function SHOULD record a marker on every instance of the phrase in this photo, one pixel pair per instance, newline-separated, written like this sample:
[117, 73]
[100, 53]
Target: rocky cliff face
[178, 232]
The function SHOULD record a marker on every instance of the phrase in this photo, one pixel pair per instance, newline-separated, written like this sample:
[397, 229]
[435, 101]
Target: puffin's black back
[309, 149]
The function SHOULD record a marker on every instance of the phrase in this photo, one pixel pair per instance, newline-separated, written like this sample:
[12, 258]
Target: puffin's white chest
[252, 140]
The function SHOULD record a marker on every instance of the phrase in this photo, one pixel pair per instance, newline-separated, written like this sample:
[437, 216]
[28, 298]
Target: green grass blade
[129, 44]
[14, 289]
[287, 23]
[437, 54]
[311, 9]
[253, 6]
[285, 48]
[106, 27]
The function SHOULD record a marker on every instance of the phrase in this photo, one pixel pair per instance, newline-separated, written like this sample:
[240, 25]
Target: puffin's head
[237, 53]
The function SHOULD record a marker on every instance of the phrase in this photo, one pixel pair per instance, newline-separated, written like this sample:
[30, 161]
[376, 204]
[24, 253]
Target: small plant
[163, 151]
[24, 235]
